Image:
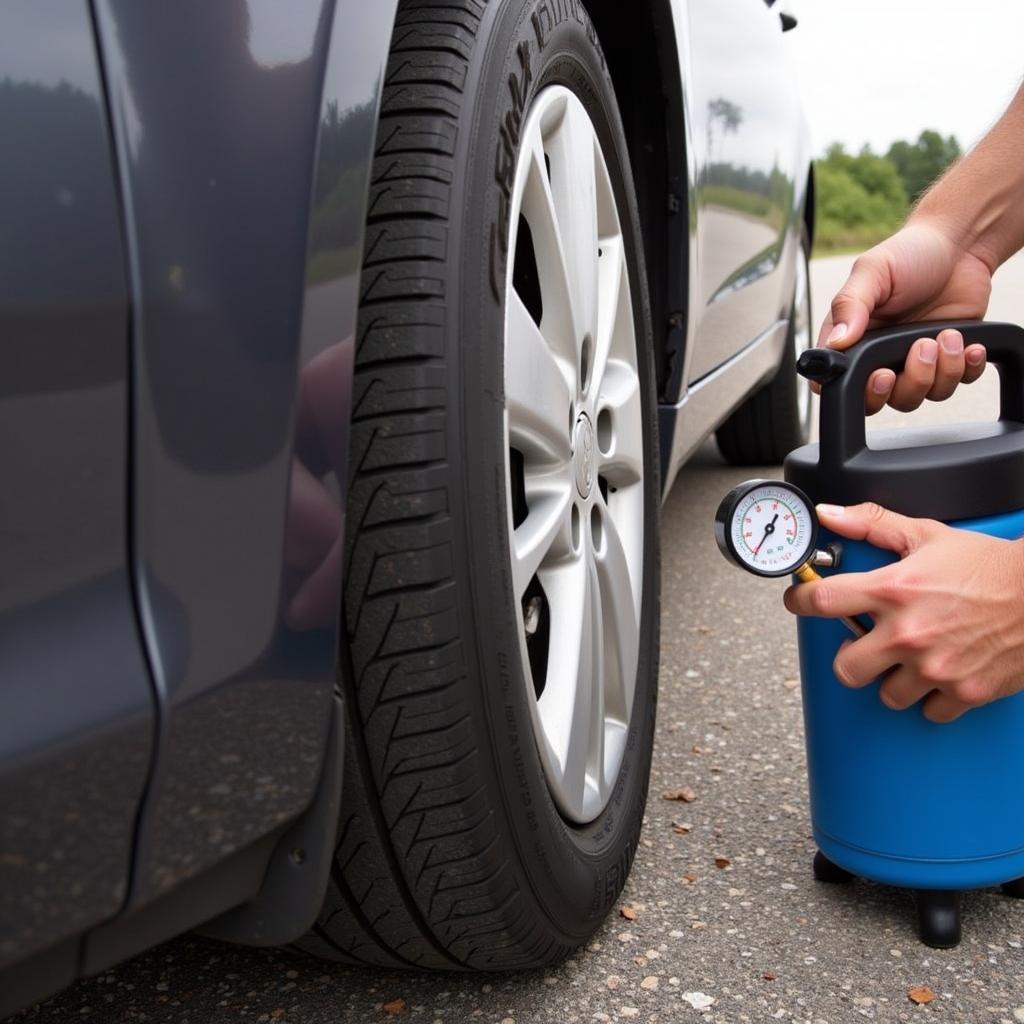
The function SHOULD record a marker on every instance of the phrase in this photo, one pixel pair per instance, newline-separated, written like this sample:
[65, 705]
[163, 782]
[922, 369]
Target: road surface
[750, 931]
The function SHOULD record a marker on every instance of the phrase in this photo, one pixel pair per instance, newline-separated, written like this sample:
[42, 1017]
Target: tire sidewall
[574, 873]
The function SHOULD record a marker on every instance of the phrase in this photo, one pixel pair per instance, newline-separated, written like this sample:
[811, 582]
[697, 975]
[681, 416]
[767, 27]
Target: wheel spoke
[571, 147]
[611, 271]
[567, 590]
[620, 604]
[536, 394]
[533, 189]
[545, 530]
[622, 463]
[598, 706]
[566, 705]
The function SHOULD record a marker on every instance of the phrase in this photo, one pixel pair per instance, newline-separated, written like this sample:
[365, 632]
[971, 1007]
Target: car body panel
[239, 354]
[242, 141]
[747, 188]
[78, 708]
[743, 117]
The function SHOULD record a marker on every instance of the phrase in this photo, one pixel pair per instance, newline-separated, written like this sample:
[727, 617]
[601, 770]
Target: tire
[777, 418]
[452, 850]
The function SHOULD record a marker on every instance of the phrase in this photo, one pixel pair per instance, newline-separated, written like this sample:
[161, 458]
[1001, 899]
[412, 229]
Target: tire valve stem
[531, 614]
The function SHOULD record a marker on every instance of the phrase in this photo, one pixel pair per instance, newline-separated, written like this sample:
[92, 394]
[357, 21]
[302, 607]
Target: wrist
[975, 233]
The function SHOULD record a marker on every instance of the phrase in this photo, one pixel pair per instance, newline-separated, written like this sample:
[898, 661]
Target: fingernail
[952, 342]
[975, 356]
[929, 351]
[882, 382]
[837, 333]
[829, 510]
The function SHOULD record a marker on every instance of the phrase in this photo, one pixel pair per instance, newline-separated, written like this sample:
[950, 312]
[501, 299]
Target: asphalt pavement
[725, 922]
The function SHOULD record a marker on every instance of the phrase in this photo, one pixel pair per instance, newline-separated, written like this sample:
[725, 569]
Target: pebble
[650, 983]
[628, 1011]
[699, 1000]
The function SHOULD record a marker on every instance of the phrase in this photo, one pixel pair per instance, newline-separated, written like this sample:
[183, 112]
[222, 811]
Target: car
[347, 352]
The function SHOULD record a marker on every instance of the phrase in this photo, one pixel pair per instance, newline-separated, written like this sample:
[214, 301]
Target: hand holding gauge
[769, 528]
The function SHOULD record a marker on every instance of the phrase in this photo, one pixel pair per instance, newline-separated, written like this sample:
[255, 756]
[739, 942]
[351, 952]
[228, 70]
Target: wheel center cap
[583, 455]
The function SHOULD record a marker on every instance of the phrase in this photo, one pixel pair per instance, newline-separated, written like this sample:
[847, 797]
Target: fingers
[845, 594]
[941, 707]
[879, 388]
[852, 306]
[974, 356]
[918, 376]
[902, 689]
[933, 369]
[951, 366]
[876, 525]
[861, 661]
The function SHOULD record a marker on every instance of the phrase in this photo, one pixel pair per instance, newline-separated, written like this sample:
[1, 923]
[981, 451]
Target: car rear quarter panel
[244, 132]
[76, 704]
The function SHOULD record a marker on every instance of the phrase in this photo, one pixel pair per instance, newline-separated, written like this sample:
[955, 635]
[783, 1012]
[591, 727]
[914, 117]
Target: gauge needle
[768, 531]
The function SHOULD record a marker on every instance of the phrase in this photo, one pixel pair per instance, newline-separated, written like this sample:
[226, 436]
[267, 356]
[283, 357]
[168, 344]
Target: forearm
[979, 201]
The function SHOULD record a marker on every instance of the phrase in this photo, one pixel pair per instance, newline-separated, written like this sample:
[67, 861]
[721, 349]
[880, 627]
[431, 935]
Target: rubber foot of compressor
[938, 917]
[826, 871]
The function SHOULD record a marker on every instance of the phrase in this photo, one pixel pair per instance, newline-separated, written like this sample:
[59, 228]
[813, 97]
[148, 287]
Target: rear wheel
[777, 418]
[501, 594]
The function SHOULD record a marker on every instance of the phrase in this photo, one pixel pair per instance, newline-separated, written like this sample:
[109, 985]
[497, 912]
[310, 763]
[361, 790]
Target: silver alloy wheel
[575, 469]
[802, 340]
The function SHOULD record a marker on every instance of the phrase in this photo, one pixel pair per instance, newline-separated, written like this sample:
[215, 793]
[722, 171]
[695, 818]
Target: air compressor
[896, 798]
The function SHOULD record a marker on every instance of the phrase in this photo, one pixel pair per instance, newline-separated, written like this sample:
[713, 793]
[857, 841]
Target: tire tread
[419, 878]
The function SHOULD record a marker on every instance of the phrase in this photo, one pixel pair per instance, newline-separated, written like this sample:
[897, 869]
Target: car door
[745, 131]
[76, 705]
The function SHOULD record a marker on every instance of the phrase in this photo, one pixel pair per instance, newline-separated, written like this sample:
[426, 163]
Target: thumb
[853, 305]
[875, 525]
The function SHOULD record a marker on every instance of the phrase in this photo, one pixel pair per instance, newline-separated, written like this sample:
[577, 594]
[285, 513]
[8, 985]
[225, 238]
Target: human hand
[919, 273]
[949, 616]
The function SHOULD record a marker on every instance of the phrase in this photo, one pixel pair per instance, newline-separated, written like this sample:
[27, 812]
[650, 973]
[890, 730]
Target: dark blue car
[346, 352]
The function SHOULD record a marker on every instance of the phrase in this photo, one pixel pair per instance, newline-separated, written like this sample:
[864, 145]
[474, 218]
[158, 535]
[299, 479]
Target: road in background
[726, 914]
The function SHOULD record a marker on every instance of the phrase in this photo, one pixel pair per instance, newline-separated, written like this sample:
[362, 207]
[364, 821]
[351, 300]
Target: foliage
[862, 198]
[920, 163]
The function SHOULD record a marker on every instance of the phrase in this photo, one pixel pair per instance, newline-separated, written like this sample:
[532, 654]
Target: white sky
[879, 70]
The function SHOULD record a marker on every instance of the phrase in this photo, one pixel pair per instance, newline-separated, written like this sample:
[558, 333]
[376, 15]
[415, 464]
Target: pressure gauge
[767, 527]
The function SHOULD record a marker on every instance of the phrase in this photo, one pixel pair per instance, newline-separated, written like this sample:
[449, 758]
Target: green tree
[920, 163]
[859, 198]
[876, 175]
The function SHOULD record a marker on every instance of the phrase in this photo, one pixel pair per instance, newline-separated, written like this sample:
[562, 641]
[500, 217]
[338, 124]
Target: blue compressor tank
[894, 797]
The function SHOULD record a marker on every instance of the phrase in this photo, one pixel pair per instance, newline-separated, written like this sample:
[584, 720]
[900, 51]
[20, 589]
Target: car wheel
[501, 592]
[777, 418]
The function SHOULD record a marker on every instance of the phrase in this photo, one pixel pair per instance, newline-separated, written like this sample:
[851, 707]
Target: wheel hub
[583, 455]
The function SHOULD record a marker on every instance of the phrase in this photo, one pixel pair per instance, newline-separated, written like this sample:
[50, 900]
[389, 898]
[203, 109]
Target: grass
[830, 240]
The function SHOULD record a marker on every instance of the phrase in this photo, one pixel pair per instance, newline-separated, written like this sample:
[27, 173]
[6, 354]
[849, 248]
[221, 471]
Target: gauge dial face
[770, 528]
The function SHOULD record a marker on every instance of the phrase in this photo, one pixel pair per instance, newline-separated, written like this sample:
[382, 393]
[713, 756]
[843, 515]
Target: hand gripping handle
[844, 375]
